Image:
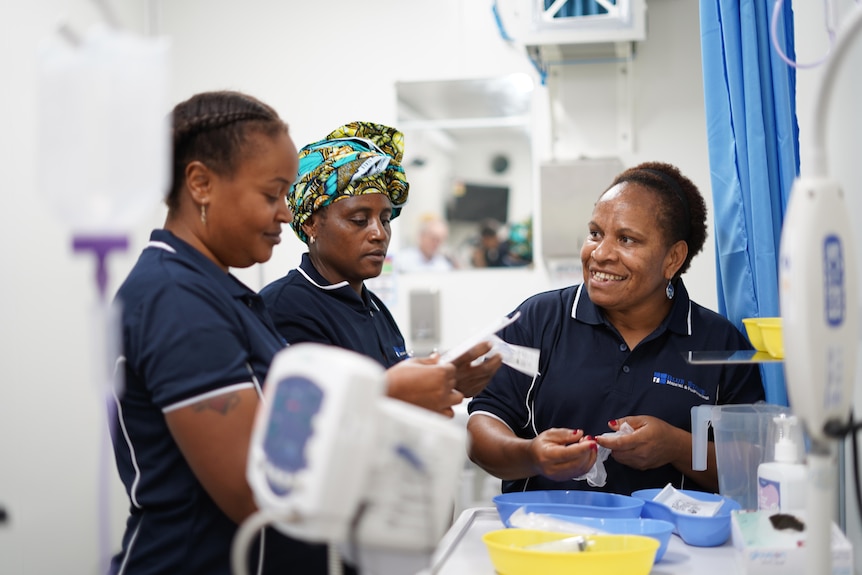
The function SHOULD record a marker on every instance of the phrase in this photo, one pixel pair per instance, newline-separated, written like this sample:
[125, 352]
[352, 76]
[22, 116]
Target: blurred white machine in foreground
[820, 309]
[332, 460]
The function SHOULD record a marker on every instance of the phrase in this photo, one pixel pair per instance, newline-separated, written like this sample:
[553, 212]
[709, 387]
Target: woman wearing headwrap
[349, 187]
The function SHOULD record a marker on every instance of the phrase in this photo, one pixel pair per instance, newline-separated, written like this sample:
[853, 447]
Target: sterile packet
[524, 359]
[543, 522]
[597, 476]
[477, 338]
[573, 544]
[682, 503]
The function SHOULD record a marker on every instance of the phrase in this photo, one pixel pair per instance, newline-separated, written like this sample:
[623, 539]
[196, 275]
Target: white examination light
[819, 305]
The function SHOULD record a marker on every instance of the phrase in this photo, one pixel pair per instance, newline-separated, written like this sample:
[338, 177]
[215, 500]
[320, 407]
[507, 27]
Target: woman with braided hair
[197, 344]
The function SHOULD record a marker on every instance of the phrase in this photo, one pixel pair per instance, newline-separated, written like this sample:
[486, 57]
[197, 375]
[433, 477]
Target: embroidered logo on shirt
[667, 379]
[400, 352]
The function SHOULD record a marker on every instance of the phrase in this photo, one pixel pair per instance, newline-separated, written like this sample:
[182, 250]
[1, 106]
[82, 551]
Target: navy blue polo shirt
[188, 330]
[589, 376]
[306, 307]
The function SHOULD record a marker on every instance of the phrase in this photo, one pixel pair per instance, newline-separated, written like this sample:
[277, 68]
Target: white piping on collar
[688, 319]
[161, 246]
[577, 299]
[314, 283]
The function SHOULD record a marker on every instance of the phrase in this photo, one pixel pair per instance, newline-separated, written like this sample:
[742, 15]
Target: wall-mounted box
[424, 321]
[544, 22]
[568, 192]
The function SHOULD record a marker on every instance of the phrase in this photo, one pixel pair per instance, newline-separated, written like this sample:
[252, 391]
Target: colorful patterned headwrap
[357, 158]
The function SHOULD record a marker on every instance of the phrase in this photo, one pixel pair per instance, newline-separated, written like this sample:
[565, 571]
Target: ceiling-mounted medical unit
[586, 22]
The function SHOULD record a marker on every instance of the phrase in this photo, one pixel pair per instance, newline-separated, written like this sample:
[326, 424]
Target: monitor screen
[477, 202]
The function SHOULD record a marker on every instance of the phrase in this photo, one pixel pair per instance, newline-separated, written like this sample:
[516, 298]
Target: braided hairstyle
[213, 128]
[682, 210]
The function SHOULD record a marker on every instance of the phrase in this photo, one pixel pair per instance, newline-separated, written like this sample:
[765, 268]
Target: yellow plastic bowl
[752, 330]
[605, 555]
[773, 336]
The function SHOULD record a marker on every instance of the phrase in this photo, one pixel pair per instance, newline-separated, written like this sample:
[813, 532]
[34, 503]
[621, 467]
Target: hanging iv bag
[103, 128]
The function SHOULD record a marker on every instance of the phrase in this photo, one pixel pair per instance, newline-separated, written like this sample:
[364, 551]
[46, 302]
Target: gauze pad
[597, 476]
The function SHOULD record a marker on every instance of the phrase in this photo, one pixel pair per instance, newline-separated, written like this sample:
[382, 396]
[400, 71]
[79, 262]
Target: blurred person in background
[428, 254]
[491, 250]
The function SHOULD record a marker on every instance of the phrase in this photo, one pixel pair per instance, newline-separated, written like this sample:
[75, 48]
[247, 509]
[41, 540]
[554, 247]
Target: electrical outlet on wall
[424, 321]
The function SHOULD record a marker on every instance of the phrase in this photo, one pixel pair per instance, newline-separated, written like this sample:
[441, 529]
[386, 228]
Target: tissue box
[765, 550]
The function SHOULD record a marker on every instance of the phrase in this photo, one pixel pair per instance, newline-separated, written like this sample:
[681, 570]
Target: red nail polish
[577, 431]
[594, 446]
[589, 438]
[612, 423]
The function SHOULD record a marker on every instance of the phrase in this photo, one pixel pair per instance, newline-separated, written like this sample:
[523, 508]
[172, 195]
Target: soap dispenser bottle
[781, 483]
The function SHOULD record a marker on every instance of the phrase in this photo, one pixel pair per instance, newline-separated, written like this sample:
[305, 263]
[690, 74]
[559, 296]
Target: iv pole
[103, 129]
[108, 383]
[819, 306]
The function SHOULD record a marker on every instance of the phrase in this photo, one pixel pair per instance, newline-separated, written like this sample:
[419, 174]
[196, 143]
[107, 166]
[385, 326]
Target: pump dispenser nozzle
[786, 450]
[781, 483]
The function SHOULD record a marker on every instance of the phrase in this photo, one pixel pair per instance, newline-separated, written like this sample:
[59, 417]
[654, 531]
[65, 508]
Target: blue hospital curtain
[750, 97]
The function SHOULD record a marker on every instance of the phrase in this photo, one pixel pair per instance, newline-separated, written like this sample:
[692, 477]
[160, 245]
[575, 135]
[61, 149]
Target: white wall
[51, 420]
[50, 416]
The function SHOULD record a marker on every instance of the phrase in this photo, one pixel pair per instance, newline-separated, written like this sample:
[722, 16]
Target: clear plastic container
[744, 438]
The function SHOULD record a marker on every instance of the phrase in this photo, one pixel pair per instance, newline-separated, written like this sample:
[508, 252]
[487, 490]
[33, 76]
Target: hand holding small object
[560, 453]
[425, 382]
[651, 444]
[472, 372]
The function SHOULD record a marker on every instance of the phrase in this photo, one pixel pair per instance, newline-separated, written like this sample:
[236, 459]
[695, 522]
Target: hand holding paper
[524, 359]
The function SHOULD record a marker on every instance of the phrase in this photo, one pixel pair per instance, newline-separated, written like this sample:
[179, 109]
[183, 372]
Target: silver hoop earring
[668, 291]
[204, 214]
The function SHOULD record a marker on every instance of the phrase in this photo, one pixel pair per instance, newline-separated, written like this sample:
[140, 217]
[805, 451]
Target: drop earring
[204, 214]
[668, 291]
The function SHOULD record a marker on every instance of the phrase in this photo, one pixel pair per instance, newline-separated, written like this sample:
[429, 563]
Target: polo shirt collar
[341, 289]
[163, 239]
[678, 320]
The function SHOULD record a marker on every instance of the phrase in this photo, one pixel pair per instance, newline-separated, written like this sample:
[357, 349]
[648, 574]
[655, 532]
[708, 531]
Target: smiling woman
[623, 330]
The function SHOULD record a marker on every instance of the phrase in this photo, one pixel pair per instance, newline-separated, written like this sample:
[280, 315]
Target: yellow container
[605, 554]
[773, 336]
[754, 331]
